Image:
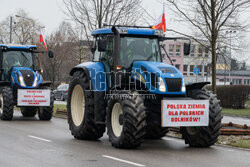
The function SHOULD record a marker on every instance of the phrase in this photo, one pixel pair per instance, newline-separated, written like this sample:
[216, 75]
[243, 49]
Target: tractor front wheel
[126, 120]
[45, 113]
[153, 111]
[204, 136]
[6, 104]
[80, 106]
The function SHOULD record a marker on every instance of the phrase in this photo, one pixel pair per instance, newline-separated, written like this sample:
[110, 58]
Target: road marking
[121, 160]
[39, 138]
[223, 149]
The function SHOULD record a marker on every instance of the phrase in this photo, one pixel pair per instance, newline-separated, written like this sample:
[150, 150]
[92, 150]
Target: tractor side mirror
[102, 43]
[186, 48]
[50, 54]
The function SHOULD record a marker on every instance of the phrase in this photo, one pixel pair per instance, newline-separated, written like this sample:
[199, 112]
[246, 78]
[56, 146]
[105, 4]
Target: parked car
[61, 92]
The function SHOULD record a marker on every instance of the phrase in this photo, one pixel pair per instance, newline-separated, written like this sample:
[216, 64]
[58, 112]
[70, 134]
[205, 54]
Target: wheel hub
[117, 119]
[77, 105]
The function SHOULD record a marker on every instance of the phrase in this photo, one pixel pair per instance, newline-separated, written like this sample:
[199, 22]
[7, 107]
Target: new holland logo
[171, 75]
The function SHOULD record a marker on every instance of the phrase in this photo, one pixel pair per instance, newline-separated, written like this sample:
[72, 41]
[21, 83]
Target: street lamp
[11, 21]
[230, 33]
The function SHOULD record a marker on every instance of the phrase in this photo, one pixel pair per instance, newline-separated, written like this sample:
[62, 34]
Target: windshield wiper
[167, 55]
[24, 55]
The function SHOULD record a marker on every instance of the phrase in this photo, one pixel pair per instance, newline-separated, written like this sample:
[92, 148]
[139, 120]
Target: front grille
[28, 77]
[167, 70]
[173, 84]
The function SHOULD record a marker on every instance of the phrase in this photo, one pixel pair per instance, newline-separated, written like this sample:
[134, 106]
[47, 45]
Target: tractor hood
[160, 78]
[25, 77]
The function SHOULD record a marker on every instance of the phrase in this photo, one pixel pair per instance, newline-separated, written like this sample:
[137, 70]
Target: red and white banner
[160, 24]
[33, 97]
[42, 39]
[185, 113]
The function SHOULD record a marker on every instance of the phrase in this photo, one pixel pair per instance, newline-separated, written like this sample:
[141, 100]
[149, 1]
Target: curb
[237, 116]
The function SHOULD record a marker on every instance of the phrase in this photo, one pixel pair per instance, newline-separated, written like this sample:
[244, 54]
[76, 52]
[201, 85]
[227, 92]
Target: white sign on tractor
[33, 97]
[185, 113]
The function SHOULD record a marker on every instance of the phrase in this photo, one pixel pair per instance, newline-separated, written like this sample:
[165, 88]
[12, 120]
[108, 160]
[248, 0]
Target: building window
[192, 49]
[171, 50]
[178, 50]
[245, 81]
[185, 68]
[206, 52]
[177, 66]
[200, 52]
[191, 70]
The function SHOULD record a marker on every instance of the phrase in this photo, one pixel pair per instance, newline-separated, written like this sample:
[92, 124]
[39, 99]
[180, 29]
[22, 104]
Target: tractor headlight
[162, 86]
[183, 89]
[35, 82]
[21, 81]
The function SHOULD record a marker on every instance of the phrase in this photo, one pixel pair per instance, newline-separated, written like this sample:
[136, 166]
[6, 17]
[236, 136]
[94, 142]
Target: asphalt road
[30, 142]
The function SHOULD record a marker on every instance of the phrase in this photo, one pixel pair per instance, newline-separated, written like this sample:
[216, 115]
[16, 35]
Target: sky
[50, 13]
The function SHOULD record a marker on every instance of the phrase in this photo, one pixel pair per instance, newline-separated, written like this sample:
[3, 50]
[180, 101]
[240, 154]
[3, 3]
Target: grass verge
[236, 112]
[235, 141]
[59, 107]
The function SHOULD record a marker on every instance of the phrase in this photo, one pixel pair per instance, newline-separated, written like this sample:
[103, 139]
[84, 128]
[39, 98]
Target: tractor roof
[130, 31]
[16, 46]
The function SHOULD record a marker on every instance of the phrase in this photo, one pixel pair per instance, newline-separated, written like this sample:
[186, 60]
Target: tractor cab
[129, 54]
[13, 57]
[121, 47]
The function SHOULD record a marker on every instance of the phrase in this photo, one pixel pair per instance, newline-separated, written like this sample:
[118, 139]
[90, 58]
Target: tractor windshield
[138, 49]
[16, 59]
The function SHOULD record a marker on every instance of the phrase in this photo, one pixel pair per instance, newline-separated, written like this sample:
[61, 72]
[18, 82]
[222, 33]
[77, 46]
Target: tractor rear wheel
[6, 103]
[45, 113]
[126, 120]
[80, 106]
[28, 111]
[153, 111]
[204, 136]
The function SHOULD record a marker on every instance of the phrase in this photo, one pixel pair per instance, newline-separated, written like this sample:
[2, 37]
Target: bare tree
[81, 51]
[25, 29]
[62, 43]
[91, 14]
[210, 19]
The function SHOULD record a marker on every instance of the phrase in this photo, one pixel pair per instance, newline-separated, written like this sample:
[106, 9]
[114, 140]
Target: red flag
[160, 24]
[43, 40]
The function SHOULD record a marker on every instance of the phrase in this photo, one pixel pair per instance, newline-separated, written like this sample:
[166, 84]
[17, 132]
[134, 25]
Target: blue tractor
[21, 83]
[126, 86]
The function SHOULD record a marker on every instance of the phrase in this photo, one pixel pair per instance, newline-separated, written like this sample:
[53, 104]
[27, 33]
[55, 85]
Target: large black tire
[6, 102]
[46, 113]
[28, 111]
[81, 119]
[207, 135]
[153, 111]
[126, 120]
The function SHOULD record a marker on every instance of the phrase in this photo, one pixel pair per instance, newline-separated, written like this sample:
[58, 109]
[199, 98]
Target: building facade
[201, 57]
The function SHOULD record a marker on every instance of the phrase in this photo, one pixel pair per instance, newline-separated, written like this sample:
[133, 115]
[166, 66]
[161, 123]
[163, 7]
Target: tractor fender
[95, 72]
[196, 85]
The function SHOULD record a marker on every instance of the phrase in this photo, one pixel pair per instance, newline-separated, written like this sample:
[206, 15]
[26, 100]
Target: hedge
[232, 96]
